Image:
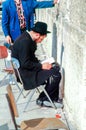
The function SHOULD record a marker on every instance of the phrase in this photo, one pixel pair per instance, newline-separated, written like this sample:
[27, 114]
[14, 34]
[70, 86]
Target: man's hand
[46, 66]
[55, 2]
[8, 39]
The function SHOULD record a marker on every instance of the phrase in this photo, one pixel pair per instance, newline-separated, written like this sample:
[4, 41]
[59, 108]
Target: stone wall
[67, 22]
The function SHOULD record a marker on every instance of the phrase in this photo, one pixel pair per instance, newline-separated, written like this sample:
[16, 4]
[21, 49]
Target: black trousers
[51, 78]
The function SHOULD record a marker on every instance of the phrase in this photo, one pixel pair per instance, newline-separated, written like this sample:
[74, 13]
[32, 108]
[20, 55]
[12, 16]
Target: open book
[50, 60]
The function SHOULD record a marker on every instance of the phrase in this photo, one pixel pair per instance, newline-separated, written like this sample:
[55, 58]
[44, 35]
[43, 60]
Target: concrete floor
[32, 111]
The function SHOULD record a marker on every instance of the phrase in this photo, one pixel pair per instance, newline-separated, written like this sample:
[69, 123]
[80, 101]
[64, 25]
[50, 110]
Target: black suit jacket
[24, 50]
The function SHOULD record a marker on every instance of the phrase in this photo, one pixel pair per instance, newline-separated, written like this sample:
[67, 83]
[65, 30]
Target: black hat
[40, 27]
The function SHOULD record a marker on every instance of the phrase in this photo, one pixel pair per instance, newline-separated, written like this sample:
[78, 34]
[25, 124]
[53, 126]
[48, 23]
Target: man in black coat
[33, 72]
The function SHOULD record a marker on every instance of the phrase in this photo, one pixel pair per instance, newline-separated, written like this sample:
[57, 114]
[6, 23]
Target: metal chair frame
[3, 56]
[15, 64]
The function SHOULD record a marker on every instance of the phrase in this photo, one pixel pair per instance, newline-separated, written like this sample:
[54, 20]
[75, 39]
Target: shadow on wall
[54, 54]
[54, 42]
[62, 83]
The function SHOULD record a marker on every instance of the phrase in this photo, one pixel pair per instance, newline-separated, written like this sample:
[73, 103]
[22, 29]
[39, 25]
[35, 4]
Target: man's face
[40, 38]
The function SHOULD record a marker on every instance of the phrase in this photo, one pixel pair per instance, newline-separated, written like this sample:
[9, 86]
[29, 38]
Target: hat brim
[48, 32]
[38, 31]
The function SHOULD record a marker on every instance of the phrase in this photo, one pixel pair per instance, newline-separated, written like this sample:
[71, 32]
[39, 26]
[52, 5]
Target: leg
[53, 78]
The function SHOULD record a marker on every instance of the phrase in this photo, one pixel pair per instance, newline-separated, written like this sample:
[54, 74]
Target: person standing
[18, 15]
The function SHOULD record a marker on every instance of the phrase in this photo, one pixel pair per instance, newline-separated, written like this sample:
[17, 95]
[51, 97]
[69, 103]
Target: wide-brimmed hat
[40, 27]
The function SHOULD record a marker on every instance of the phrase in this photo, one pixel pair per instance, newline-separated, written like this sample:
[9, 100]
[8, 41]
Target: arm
[5, 22]
[45, 4]
[26, 56]
[5, 19]
[28, 60]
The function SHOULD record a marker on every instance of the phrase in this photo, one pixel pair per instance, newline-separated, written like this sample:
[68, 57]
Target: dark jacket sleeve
[26, 55]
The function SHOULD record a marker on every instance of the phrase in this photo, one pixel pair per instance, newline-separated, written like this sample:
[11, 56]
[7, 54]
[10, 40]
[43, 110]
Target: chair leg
[21, 90]
[4, 79]
[21, 93]
[38, 90]
[31, 95]
[53, 105]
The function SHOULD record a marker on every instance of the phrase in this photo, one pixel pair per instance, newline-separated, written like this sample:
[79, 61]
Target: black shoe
[39, 102]
[58, 100]
[44, 103]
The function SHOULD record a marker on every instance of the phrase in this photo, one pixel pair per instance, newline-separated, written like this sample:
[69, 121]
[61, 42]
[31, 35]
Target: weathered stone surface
[67, 22]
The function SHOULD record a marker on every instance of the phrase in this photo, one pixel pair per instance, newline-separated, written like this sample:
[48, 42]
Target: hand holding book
[48, 60]
[48, 63]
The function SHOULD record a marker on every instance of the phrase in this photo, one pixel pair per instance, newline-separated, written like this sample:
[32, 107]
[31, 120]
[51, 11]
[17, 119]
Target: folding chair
[3, 56]
[32, 124]
[16, 65]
